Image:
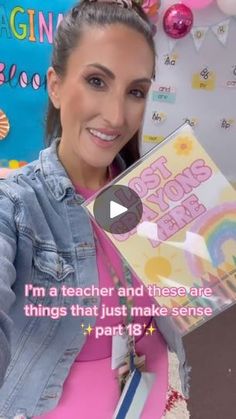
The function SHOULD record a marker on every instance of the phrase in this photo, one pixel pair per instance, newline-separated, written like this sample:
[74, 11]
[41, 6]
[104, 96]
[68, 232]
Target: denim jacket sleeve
[7, 275]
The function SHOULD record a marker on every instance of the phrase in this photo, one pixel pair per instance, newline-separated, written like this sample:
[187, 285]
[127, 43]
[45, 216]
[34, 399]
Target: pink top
[101, 348]
[91, 388]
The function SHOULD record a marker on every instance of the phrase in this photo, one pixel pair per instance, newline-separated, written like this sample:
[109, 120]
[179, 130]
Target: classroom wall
[211, 105]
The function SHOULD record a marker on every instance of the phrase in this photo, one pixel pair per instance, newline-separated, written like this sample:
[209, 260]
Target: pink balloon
[178, 21]
[197, 4]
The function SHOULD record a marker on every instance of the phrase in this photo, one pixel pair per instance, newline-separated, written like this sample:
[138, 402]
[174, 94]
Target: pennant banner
[199, 35]
[221, 30]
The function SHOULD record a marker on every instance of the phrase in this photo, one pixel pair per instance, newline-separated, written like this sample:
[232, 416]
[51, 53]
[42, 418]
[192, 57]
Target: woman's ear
[53, 84]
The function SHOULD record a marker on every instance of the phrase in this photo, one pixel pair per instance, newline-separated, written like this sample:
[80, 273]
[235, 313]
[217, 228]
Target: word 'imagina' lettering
[28, 24]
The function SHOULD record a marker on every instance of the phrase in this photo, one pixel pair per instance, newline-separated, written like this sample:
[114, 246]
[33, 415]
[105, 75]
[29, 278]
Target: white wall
[208, 107]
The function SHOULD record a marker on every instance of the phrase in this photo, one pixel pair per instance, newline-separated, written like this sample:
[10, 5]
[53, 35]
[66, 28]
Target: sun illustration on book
[158, 268]
[183, 145]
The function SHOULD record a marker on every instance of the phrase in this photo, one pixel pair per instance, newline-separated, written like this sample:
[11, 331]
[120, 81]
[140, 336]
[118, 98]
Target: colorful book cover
[184, 247]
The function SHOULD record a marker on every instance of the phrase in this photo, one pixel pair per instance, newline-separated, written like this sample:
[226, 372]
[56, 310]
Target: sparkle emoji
[150, 330]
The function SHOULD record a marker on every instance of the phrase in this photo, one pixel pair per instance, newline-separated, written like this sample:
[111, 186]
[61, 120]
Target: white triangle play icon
[116, 209]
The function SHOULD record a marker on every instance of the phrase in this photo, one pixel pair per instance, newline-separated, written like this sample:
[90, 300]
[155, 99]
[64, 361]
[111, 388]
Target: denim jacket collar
[56, 176]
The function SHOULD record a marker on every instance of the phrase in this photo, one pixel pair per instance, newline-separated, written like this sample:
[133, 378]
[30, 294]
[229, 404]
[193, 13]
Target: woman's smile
[102, 140]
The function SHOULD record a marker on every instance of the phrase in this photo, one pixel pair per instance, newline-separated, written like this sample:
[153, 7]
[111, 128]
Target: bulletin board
[181, 93]
[26, 35]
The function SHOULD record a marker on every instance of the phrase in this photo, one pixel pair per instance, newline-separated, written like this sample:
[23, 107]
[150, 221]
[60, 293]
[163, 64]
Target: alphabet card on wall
[164, 93]
[183, 247]
[205, 80]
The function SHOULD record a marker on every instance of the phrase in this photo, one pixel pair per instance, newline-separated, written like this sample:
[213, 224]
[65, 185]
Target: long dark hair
[86, 14]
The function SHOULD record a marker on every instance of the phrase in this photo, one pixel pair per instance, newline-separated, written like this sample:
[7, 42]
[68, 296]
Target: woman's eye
[138, 93]
[95, 82]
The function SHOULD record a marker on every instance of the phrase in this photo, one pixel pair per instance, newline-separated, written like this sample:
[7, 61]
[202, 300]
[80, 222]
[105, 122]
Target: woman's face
[103, 94]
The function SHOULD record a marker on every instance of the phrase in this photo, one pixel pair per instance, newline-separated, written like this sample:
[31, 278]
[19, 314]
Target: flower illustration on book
[183, 146]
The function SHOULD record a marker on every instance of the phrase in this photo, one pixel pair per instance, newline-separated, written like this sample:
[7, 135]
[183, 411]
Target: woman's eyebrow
[112, 75]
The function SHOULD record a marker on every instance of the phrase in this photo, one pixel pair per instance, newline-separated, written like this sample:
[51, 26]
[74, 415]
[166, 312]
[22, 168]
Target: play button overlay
[118, 209]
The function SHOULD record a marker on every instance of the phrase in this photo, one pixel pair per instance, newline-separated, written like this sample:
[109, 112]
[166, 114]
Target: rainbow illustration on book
[217, 227]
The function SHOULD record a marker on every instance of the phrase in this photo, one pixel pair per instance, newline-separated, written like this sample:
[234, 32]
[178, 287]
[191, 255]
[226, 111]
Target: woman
[51, 365]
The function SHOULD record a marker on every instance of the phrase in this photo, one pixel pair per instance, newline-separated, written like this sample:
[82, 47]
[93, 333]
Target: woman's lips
[102, 143]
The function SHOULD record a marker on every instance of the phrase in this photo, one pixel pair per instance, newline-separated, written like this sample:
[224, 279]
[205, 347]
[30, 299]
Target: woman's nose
[114, 111]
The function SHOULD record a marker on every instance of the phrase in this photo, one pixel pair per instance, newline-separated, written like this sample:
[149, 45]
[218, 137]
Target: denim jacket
[46, 240]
